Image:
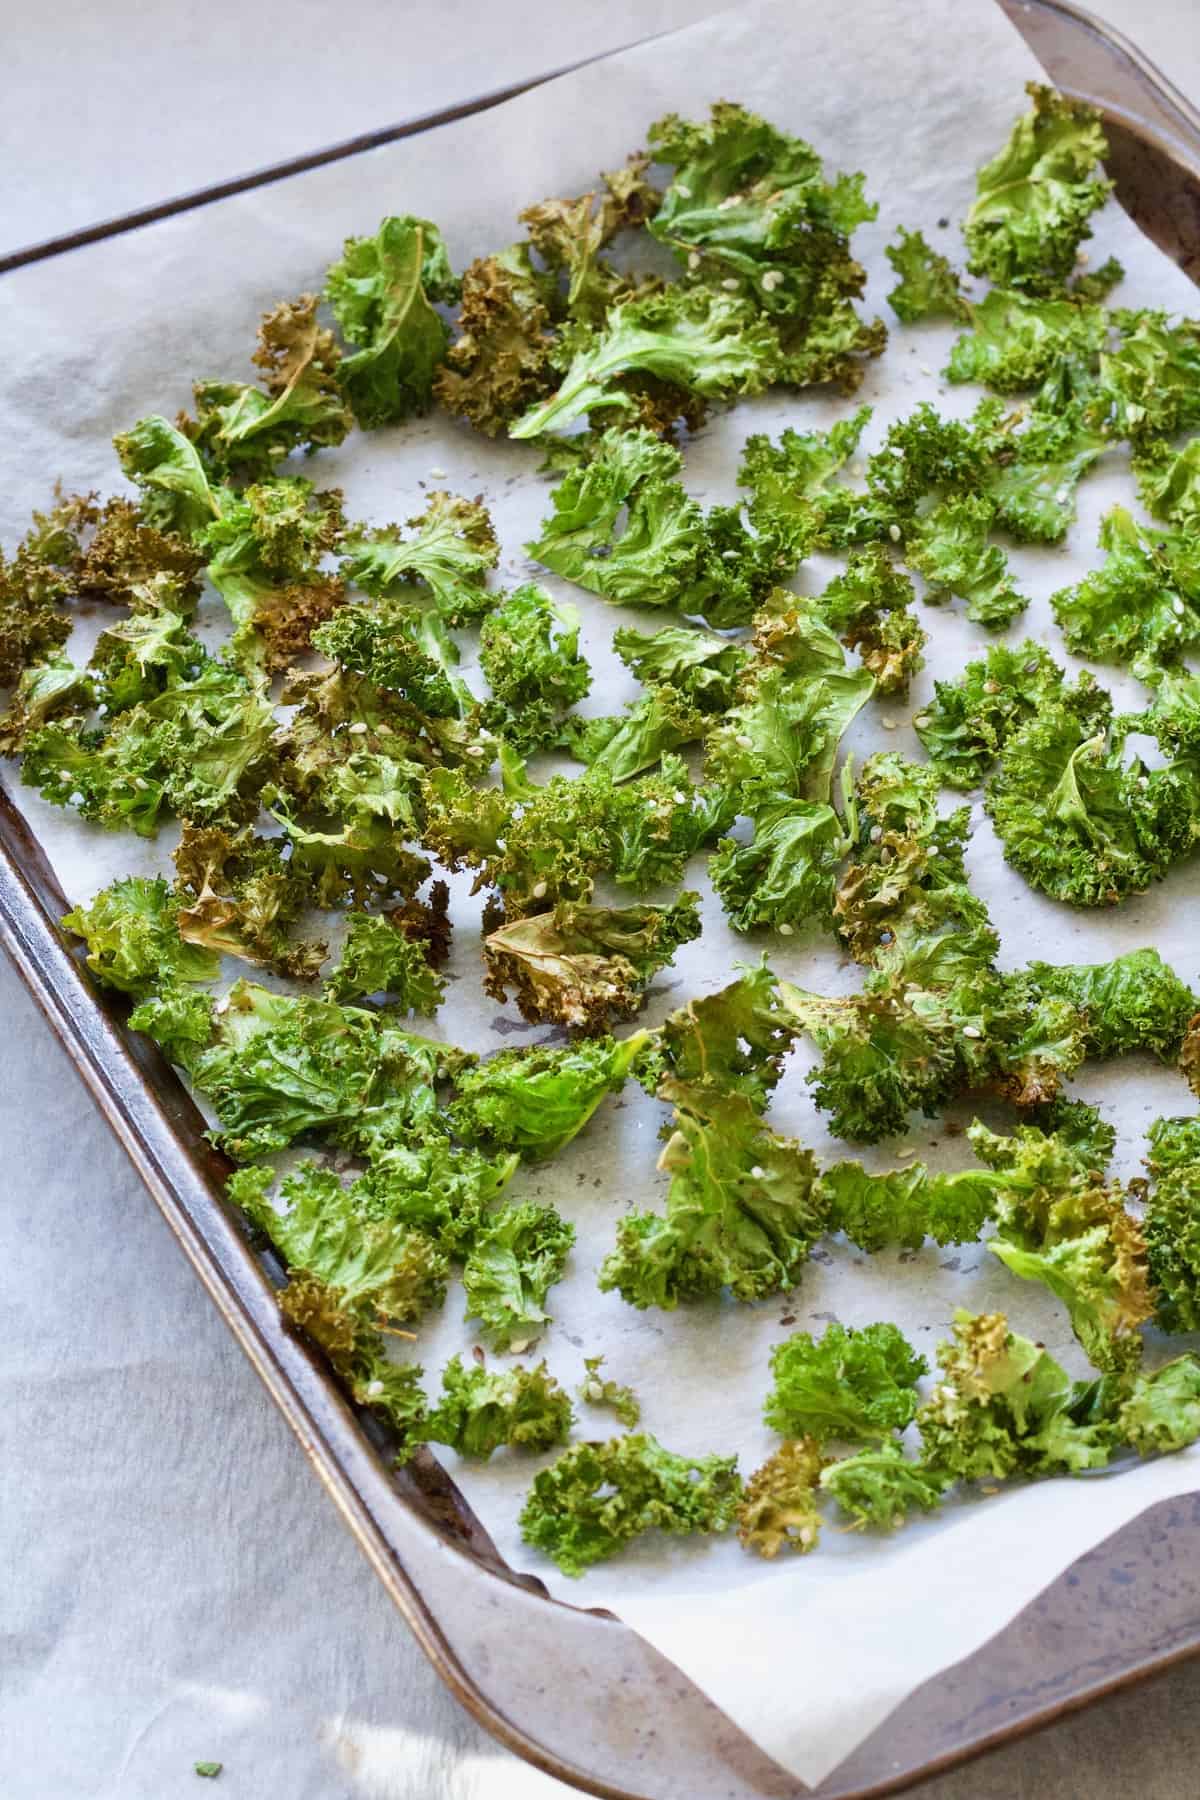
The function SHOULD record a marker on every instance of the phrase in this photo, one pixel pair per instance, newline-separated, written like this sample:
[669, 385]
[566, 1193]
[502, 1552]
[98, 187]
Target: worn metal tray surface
[576, 1691]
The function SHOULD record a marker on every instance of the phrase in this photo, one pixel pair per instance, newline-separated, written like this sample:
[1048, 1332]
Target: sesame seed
[1062, 495]
[925, 369]
[907, 1150]
[693, 259]
[1081, 257]
[921, 721]
[1178, 607]
[437, 474]
[894, 533]
[888, 724]
[358, 729]
[680, 188]
[539, 890]
[771, 280]
[972, 1031]
[786, 930]
[731, 284]
[743, 742]
[374, 1389]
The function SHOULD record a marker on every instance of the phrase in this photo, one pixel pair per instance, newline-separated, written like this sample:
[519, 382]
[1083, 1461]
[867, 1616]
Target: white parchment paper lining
[809, 1655]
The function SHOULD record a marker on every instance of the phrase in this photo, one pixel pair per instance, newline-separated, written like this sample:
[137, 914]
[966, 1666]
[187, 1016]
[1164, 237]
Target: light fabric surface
[244, 1626]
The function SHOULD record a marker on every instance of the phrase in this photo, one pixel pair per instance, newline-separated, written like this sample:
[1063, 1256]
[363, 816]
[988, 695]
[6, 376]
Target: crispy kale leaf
[1061, 1223]
[597, 1497]
[176, 492]
[969, 721]
[1147, 386]
[1003, 1406]
[499, 363]
[238, 894]
[442, 1189]
[381, 293]
[43, 691]
[794, 493]
[584, 965]
[1162, 1412]
[749, 211]
[1172, 1222]
[263, 552]
[1168, 481]
[535, 1101]
[929, 287]
[784, 877]
[344, 1271]
[702, 340]
[277, 1068]
[1134, 1002]
[880, 1488]
[902, 1207]
[242, 432]
[1076, 818]
[132, 933]
[950, 547]
[378, 958]
[624, 745]
[852, 1386]
[1035, 197]
[742, 1208]
[779, 1506]
[1142, 605]
[480, 1409]
[599, 1390]
[869, 606]
[703, 667]
[1018, 342]
[734, 1040]
[529, 651]
[443, 564]
[516, 1258]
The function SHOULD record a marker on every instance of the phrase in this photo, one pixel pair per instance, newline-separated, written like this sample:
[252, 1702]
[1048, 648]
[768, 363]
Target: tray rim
[146, 1114]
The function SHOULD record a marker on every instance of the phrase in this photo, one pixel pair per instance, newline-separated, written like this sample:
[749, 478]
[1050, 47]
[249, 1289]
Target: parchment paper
[807, 1655]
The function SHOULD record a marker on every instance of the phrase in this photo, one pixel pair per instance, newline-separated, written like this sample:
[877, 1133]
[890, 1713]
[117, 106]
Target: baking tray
[575, 1691]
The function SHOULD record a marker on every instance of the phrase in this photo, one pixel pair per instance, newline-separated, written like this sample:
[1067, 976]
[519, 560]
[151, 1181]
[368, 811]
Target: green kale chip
[132, 933]
[950, 547]
[597, 1497]
[734, 1040]
[517, 1256]
[599, 1390]
[1018, 342]
[379, 958]
[238, 895]
[1142, 605]
[881, 1488]
[869, 606]
[1172, 1222]
[742, 1208]
[703, 667]
[969, 721]
[442, 1189]
[1076, 818]
[263, 552]
[929, 287]
[1148, 385]
[794, 493]
[443, 565]
[1034, 199]
[480, 1409]
[1168, 481]
[900, 1208]
[784, 877]
[855, 1386]
[499, 364]
[625, 745]
[1162, 1412]
[382, 294]
[529, 651]
[177, 494]
[1134, 1002]
[535, 1101]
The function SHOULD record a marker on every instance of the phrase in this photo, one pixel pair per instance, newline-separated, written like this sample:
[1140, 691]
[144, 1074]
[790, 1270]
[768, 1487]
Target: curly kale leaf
[529, 651]
[513, 1263]
[442, 1189]
[1034, 199]
[500, 364]
[176, 494]
[1079, 821]
[279, 1068]
[242, 432]
[879, 1489]
[794, 493]
[480, 1409]
[1168, 481]
[1142, 605]
[535, 1101]
[749, 210]
[263, 552]
[703, 667]
[1162, 1412]
[568, 236]
[969, 721]
[598, 1390]
[443, 564]
[346, 1271]
[1172, 1222]
[132, 933]
[1148, 384]
[624, 745]
[43, 692]
[902, 1207]
[742, 1208]
[597, 1497]
[654, 825]
[1035, 467]
[734, 1040]
[869, 606]
[852, 1386]
[382, 294]
[703, 341]
[785, 876]
[779, 1506]
[238, 895]
[584, 965]
[377, 958]
[781, 740]
[1060, 1223]
[949, 546]
[1018, 342]
[1134, 1002]
[929, 287]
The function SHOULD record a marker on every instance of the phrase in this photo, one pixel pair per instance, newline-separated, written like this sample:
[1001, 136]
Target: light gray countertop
[179, 1588]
